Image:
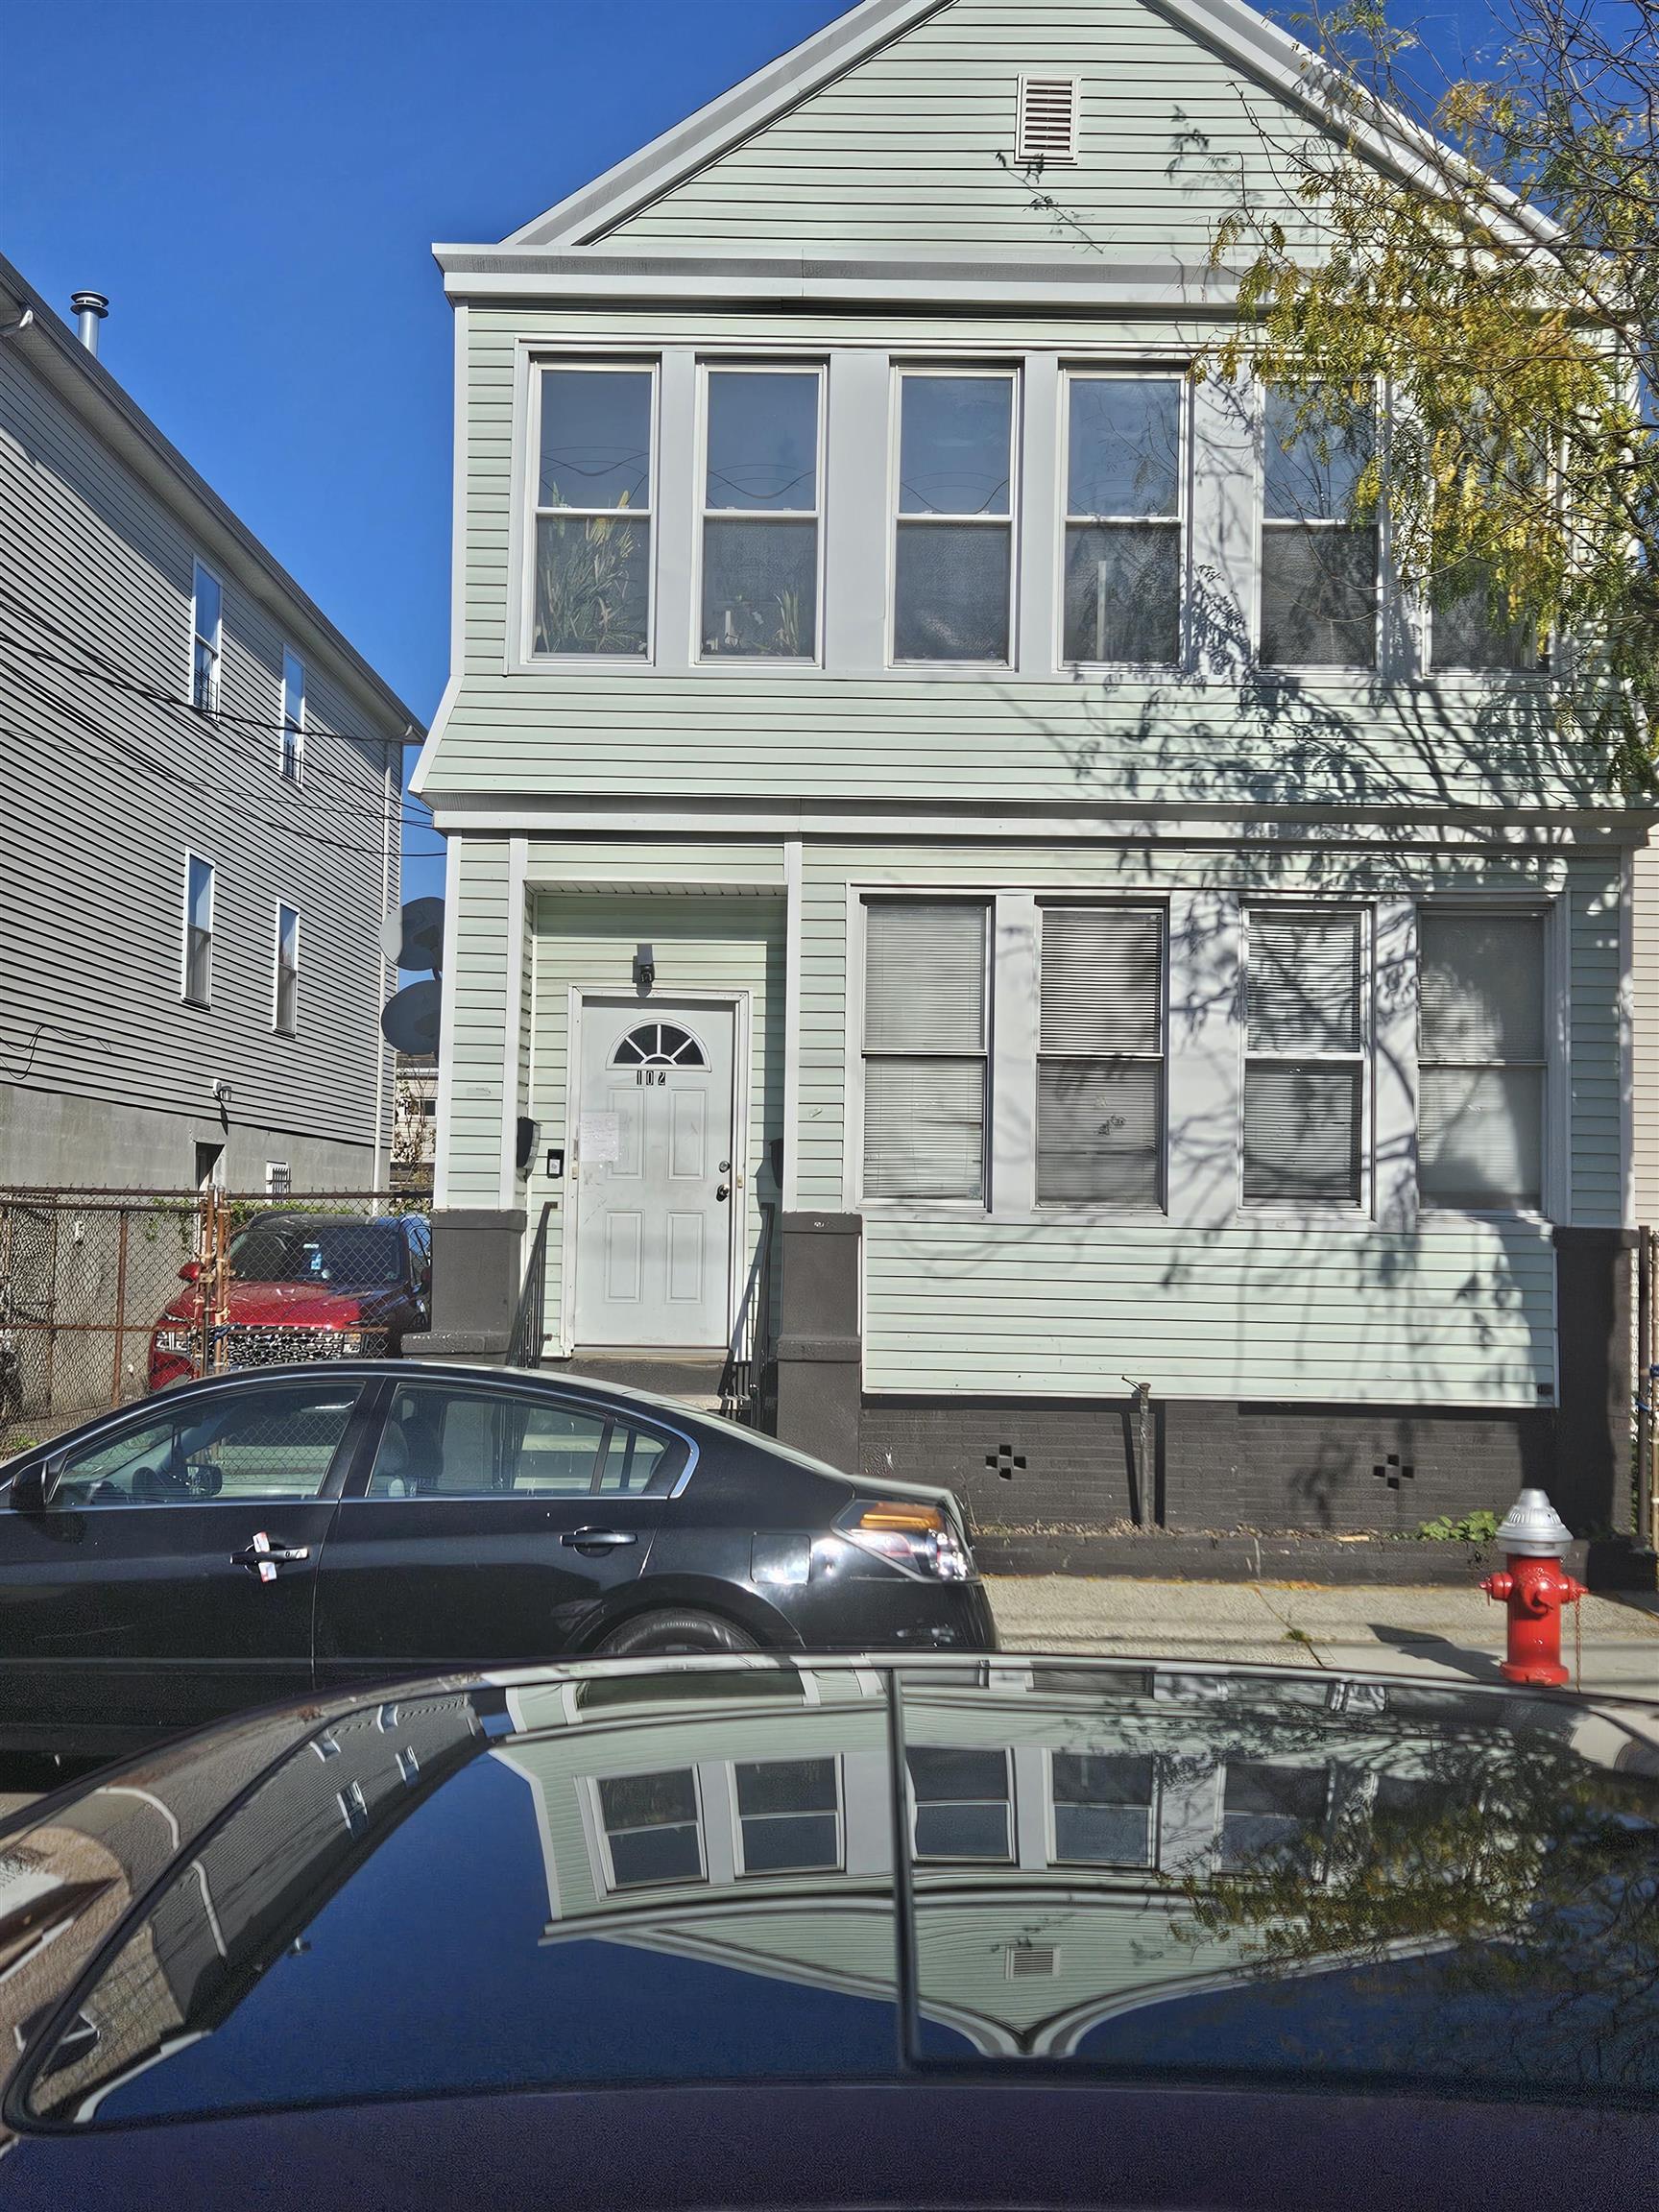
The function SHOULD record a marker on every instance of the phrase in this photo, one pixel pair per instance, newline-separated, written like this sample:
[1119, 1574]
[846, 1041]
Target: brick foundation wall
[1217, 1465]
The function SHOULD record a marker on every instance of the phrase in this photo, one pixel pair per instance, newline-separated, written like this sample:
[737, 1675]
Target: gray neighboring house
[190, 969]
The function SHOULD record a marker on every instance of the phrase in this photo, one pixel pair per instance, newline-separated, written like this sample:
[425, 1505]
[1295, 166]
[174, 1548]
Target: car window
[440, 1442]
[274, 1441]
[319, 1249]
[634, 1462]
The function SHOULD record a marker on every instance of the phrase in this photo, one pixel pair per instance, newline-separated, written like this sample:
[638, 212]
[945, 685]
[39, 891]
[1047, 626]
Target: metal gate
[104, 1294]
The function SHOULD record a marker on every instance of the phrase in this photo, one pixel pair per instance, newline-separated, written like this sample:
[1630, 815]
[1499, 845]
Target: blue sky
[256, 182]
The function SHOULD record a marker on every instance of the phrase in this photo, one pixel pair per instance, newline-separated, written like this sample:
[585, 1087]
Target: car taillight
[917, 1539]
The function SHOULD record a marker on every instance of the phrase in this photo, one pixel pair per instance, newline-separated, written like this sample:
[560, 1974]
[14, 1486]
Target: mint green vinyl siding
[1645, 1027]
[901, 151]
[1460, 1313]
[486, 966]
[701, 943]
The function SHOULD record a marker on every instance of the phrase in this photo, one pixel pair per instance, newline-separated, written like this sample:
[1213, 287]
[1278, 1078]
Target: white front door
[654, 1183]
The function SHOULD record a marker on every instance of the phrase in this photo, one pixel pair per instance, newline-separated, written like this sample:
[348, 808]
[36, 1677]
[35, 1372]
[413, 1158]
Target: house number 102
[643, 1075]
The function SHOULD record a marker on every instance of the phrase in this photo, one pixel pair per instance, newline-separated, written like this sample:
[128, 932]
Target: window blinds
[1100, 1075]
[1304, 1077]
[1480, 1060]
[925, 1034]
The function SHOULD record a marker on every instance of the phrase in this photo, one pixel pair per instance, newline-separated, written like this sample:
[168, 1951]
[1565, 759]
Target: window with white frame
[1100, 1056]
[291, 758]
[592, 555]
[953, 562]
[1306, 1029]
[1272, 1816]
[1122, 594]
[924, 1048]
[1319, 574]
[1480, 1060]
[1103, 1807]
[278, 1179]
[789, 1815]
[196, 988]
[761, 507]
[206, 638]
[961, 1803]
[285, 983]
[653, 1828]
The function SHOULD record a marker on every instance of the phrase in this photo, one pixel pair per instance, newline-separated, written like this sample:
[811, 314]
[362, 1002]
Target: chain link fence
[108, 1294]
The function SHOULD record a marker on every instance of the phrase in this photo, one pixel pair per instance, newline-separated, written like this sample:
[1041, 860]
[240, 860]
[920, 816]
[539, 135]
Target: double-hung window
[760, 506]
[1480, 1060]
[1470, 630]
[961, 1803]
[1123, 519]
[1318, 566]
[1305, 1090]
[789, 1815]
[291, 758]
[924, 1048]
[953, 564]
[592, 532]
[1103, 1807]
[1100, 1056]
[206, 638]
[653, 1828]
[196, 988]
[285, 983]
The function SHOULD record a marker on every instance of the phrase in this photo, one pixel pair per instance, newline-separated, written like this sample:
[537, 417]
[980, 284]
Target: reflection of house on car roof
[1057, 1817]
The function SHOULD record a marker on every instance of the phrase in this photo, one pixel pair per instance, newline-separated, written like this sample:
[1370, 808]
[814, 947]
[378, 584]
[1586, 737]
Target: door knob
[724, 1191]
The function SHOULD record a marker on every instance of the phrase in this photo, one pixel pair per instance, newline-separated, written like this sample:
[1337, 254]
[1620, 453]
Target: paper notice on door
[599, 1137]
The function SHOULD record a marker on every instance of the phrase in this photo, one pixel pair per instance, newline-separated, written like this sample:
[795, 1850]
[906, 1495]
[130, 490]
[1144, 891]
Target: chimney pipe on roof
[90, 310]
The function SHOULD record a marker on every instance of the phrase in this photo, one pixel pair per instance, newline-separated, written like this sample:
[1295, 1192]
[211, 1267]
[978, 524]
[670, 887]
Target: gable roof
[1228, 31]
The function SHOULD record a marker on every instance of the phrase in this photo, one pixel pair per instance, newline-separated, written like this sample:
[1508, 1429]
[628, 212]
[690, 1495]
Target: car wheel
[649, 1635]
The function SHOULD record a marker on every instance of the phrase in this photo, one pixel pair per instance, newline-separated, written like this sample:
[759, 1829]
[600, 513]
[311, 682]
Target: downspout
[382, 1173]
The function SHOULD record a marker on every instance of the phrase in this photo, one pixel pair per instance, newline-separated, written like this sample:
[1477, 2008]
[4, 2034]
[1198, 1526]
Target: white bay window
[925, 1035]
[1100, 1056]
[592, 525]
[953, 564]
[1306, 1023]
[1480, 1060]
[1123, 519]
[760, 508]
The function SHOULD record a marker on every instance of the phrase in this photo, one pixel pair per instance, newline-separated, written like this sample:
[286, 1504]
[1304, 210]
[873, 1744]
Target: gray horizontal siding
[105, 790]
[903, 148]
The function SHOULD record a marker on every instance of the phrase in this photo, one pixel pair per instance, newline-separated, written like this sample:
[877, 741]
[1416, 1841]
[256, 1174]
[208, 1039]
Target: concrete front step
[692, 1378]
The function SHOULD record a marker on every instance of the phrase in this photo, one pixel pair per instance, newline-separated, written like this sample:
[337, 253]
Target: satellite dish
[410, 1022]
[414, 936]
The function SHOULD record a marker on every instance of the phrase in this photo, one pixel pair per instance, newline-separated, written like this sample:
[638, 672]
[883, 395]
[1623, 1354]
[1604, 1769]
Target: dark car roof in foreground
[674, 1878]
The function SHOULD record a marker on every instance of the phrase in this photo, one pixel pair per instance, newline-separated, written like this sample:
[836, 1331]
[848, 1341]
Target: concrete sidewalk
[1445, 1634]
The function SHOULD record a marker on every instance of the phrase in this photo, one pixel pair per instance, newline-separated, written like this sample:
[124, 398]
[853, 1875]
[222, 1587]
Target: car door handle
[263, 1557]
[598, 1539]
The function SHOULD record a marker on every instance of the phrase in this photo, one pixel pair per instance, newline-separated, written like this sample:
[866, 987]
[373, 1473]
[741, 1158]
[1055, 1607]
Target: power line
[128, 750]
[404, 812]
[108, 672]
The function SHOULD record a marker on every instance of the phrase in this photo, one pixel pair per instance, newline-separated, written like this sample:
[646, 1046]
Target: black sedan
[819, 1932]
[266, 1535]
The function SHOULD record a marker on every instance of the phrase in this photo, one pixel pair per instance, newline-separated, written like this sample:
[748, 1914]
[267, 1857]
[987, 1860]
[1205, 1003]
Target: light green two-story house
[966, 876]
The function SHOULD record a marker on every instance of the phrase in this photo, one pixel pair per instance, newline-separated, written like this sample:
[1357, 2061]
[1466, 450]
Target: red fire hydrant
[1534, 1587]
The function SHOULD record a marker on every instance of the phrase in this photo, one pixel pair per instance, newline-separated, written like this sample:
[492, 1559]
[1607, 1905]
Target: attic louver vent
[1046, 127]
[1028, 1961]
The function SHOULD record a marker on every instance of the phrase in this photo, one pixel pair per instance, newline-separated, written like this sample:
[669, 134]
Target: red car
[304, 1286]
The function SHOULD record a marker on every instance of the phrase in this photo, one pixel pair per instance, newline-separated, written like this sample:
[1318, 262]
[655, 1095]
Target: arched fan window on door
[659, 1044]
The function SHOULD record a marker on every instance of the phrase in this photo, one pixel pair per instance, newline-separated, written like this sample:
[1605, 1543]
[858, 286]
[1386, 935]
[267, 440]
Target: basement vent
[1031, 1962]
[1045, 129]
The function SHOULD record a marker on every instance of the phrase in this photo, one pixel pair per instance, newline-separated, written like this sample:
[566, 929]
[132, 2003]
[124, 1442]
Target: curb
[1609, 1565]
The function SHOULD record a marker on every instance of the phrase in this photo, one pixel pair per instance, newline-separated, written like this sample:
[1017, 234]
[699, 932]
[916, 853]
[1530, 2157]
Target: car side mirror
[32, 1485]
[191, 1271]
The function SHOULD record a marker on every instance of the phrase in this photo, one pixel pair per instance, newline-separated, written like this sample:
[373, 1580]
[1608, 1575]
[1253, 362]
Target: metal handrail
[749, 1356]
[524, 1343]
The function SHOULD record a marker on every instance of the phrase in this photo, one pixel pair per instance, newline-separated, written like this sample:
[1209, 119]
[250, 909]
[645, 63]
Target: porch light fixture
[644, 966]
